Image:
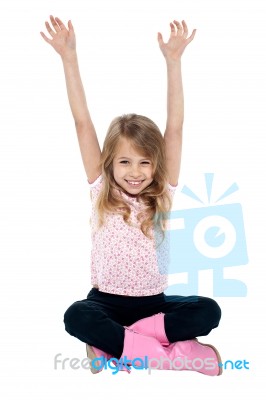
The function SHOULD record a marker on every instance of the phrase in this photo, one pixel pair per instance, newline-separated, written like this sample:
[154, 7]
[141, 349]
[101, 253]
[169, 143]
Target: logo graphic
[208, 237]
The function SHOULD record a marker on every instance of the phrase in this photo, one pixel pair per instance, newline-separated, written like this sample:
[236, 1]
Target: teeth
[134, 182]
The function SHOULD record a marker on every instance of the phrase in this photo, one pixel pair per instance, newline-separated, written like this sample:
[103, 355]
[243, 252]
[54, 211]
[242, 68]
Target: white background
[45, 209]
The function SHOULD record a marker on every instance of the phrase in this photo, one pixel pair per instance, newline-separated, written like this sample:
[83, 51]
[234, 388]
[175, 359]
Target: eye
[123, 162]
[145, 162]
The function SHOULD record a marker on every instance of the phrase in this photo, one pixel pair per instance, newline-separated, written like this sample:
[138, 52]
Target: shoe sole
[91, 355]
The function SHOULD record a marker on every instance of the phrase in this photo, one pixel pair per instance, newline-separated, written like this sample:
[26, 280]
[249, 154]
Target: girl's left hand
[174, 48]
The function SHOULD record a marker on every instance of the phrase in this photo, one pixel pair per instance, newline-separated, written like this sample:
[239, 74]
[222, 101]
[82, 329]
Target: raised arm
[64, 42]
[172, 51]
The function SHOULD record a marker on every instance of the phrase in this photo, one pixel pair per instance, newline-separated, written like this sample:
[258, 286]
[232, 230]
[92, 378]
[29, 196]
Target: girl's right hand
[63, 39]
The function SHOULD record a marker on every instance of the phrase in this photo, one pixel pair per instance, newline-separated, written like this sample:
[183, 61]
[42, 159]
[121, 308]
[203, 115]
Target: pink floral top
[123, 260]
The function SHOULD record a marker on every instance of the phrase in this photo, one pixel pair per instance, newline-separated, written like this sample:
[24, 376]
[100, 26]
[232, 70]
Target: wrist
[69, 56]
[173, 62]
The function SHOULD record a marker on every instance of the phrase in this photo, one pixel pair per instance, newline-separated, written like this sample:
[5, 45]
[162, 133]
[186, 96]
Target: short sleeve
[95, 187]
[172, 189]
[96, 182]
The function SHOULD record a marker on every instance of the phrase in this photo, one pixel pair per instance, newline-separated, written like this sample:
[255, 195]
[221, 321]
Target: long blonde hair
[146, 138]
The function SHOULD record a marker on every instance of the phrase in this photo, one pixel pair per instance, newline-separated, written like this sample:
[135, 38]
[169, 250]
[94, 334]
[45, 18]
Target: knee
[213, 311]
[80, 314]
[72, 315]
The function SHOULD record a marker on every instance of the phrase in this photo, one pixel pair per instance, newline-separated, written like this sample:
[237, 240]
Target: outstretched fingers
[50, 31]
[179, 28]
[60, 24]
[54, 23]
[182, 30]
[57, 24]
[57, 27]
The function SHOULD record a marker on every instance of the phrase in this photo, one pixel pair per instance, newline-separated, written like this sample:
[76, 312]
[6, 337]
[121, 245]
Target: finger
[70, 26]
[46, 38]
[173, 29]
[56, 27]
[178, 27]
[60, 23]
[49, 29]
[185, 33]
[191, 37]
[160, 39]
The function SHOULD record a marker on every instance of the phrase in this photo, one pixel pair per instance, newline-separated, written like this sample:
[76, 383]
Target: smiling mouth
[134, 183]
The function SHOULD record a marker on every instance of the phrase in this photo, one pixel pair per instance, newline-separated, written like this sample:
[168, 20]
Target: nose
[134, 172]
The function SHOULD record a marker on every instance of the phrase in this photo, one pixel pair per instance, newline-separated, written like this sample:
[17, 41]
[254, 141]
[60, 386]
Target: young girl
[126, 314]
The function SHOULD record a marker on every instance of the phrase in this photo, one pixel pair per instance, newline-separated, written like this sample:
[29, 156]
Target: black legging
[99, 320]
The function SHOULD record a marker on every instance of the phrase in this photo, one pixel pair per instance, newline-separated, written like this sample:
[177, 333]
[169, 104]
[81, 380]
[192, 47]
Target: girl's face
[132, 171]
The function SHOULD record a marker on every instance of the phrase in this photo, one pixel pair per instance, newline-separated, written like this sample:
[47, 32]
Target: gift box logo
[208, 237]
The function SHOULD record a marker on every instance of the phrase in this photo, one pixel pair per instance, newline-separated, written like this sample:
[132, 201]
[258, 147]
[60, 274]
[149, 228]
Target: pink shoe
[184, 355]
[199, 357]
[153, 327]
